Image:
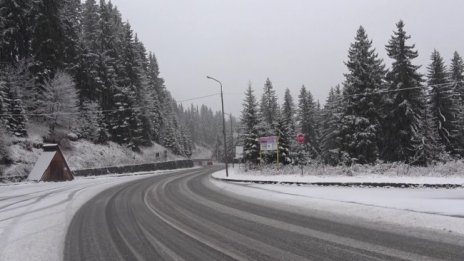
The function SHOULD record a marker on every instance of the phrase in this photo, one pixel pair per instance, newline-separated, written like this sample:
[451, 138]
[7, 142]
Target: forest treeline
[378, 114]
[78, 68]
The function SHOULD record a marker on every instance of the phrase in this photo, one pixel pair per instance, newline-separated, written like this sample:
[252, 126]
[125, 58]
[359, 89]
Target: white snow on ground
[34, 216]
[441, 209]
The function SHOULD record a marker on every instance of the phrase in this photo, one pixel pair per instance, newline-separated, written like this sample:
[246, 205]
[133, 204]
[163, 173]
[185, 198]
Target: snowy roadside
[239, 175]
[34, 216]
[429, 208]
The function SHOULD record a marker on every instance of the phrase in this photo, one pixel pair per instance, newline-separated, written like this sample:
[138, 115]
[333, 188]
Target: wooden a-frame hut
[51, 166]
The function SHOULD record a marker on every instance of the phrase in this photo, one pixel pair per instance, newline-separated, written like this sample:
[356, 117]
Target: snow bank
[449, 173]
[255, 176]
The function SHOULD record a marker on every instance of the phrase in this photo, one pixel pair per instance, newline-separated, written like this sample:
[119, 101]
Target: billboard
[269, 143]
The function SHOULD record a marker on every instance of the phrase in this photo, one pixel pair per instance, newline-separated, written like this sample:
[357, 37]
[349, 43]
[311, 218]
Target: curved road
[183, 216]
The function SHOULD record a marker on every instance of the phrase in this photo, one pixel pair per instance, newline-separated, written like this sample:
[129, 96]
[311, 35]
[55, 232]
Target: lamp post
[223, 124]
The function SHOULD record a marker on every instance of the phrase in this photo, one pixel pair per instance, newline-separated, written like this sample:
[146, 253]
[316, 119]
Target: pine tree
[457, 75]
[270, 117]
[331, 125]
[443, 105]
[362, 113]
[269, 109]
[5, 153]
[287, 128]
[17, 119]
[457, 79]
[285, 141]
[48, 40]
[4, 99]
[155, 89]
[250, 121]
[306, 123]
[11, 104]
[91, 123]
[406, 103]
[288, 113]
[87, 74]
[15, 28]
[70, 16]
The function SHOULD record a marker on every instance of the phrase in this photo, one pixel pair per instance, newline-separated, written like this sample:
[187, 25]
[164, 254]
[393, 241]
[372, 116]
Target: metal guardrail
[176, 164]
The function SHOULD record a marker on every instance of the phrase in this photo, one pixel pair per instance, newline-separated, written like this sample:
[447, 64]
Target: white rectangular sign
[239, 152]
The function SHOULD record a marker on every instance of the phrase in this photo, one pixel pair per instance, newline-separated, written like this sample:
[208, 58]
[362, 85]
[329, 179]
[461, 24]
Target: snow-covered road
[34, 216]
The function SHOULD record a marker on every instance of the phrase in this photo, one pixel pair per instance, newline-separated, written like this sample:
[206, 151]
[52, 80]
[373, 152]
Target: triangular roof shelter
[51, 166]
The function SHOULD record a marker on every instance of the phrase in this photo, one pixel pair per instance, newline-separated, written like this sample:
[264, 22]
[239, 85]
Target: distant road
[183, 216]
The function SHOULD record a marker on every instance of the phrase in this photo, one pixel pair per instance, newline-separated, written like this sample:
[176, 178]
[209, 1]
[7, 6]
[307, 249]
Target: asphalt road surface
[183, 216]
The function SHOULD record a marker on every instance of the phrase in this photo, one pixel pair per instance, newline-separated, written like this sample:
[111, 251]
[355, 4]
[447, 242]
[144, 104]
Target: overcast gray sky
[293, 42]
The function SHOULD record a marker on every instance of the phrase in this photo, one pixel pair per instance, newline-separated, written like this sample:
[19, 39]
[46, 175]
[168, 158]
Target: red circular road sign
[300, 138]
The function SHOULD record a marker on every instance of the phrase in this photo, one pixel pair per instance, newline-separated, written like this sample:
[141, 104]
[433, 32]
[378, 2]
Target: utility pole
[232, 139]
[223, 124]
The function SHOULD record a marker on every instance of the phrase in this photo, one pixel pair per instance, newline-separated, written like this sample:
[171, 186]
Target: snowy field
[430, 208]
[34, 216]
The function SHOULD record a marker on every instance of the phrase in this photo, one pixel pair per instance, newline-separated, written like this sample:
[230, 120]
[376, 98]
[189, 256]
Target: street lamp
[223, 124]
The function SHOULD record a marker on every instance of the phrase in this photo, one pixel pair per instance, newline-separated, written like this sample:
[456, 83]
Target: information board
[269, 143]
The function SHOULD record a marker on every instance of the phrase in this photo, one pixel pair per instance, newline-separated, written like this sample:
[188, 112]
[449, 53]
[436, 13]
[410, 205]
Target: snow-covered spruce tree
[70, 16]
[288, 127]
[318, 122]
[15, 28]
[91, 123]
[130, 80]
[443, 104]
[457, 75]
[331, 121]
[457, 79]
[170, 128]
[406, 104]
[285, 141]
[59, 103]
[117, 94]
[306, 123]
[5, 154]
[48, 40]
[250, 121]
[16, 119]
[88, 82]
[11, 105]
[362, 113]
[156, 92]
[269, 109]
[144, 99]
[270, 115]
[288, 112]
[169, 139]
[4, 100]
